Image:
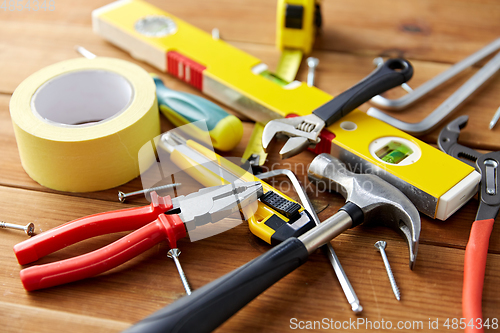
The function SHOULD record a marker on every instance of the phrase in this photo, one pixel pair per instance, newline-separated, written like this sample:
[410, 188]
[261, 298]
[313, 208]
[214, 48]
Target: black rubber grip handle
[392, 73]
[208, 307]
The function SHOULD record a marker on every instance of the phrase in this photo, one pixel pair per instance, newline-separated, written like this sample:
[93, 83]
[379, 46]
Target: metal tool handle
[90, 226]
[168, 227]
[392, 73]
[208, 307]
[457, 99]
[474, 268]
[407, 100]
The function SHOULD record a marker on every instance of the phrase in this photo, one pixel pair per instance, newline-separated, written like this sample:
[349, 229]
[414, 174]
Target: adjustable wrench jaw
[379, 201]
[302, 132]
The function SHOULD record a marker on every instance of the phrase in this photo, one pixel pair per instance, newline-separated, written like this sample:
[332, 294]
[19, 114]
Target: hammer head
[380, 201]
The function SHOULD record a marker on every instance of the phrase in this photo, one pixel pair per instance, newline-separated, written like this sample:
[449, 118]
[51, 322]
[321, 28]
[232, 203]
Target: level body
[435, 182]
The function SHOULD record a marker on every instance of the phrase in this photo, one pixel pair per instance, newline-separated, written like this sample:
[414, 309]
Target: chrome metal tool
[165, 218]
[330, 173]
[303, 132]
[457, 99]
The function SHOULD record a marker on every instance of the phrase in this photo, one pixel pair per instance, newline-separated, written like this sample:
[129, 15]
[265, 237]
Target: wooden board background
[432, 34]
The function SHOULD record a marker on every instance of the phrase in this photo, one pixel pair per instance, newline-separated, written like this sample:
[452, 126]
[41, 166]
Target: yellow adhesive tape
[80, 123]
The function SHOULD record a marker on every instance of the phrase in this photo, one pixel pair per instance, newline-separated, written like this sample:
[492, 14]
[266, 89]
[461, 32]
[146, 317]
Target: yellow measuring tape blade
[254, 147]
[289, 64]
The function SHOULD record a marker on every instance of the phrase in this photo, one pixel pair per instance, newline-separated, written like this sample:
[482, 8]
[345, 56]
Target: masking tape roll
[80, 123]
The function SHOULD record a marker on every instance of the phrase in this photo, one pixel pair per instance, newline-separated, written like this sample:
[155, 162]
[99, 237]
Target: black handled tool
[304, 131]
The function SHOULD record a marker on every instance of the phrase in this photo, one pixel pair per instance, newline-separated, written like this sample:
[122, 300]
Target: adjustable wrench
[303, 132]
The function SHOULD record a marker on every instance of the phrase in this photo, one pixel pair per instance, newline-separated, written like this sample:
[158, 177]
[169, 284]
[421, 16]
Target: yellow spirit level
[437, 184]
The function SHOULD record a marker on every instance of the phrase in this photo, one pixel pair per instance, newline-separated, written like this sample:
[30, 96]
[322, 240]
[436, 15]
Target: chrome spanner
[457, 99]
[410, 98]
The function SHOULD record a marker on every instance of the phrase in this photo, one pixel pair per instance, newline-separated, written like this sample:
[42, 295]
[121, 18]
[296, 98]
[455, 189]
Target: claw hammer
[208, 307]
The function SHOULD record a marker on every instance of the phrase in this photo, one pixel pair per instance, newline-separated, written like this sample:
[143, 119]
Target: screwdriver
[182, 108]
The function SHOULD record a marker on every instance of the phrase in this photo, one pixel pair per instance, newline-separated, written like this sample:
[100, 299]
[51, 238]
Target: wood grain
[433, 35]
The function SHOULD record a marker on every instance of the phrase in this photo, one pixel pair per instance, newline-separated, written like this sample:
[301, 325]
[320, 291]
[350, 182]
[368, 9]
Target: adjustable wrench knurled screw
[380, 245]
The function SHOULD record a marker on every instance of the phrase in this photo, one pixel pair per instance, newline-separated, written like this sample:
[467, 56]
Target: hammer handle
[476, 253]
[208, 307]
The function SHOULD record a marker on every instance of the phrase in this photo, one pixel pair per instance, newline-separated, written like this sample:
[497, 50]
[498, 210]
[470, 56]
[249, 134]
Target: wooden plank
[426, 31]
[150, 281]
[444, 31]
[36, 319]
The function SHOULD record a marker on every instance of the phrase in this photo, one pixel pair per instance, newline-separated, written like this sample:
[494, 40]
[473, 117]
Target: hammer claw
[379, 201]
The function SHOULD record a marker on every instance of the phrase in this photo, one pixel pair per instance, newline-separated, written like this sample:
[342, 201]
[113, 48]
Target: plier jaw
[487, 165]
[212, 204]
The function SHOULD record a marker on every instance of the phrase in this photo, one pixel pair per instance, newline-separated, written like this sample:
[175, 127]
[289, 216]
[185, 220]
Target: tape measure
[254, 152]
[79, 124]
[289, 64]
[296, 24]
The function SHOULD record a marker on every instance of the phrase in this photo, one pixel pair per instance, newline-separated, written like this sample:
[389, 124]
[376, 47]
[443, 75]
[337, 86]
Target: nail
[122, 196]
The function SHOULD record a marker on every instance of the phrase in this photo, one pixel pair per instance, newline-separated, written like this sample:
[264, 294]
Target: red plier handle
[150, 233]
[474, 268]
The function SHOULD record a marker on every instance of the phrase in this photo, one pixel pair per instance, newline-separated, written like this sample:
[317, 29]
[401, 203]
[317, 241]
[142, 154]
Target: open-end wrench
[303, 132]
[476, 250]
[349, 292]
[208, 307]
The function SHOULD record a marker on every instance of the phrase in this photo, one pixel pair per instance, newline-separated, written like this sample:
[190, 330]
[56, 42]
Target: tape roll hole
[348, 126]
[82, 98]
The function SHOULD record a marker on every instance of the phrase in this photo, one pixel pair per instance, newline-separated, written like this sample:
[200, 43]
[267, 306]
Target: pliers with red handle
[476, 250]
[164, 219]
